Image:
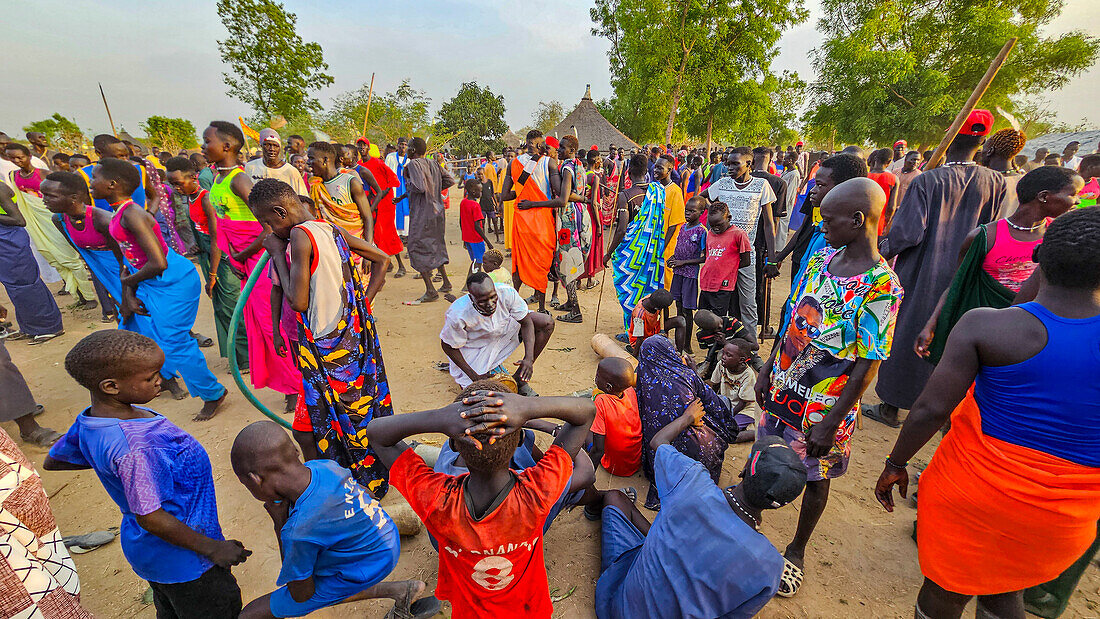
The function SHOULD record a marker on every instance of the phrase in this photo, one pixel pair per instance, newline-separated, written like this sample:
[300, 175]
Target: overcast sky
[160, 57]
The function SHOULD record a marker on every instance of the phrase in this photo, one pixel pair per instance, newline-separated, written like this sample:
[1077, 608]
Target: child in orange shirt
[645, 320]
[617, 429]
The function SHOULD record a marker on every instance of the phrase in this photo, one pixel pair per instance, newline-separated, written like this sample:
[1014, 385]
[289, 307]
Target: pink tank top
[89, 237]
[1009, 260]
[30, 185]
[133, 252]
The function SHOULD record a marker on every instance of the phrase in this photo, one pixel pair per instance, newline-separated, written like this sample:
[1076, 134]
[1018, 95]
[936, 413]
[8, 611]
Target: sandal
[42, 437]
[15, 336]
[791, 580]
[526, 391]
[630, 492]
[41, 339]
[872, 412]
[423, 299]
[573, 317]
[592, 285]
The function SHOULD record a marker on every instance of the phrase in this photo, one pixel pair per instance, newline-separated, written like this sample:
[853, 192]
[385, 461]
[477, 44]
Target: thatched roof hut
[511, 139]
[590, 126]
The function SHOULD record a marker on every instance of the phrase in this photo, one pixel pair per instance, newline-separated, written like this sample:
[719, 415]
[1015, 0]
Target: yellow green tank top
[227, 203]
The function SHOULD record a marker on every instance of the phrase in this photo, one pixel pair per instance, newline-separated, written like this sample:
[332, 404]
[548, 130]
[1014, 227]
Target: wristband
[890, 463]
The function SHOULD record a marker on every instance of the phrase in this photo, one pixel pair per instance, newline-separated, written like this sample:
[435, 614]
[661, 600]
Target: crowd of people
[903, 275]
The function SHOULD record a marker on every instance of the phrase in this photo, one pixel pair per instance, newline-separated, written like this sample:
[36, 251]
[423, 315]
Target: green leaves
[547, 116]
[170, 134]
[476, 118]
[681, 66]
[60, 131]
[893, 69]
[273, 70]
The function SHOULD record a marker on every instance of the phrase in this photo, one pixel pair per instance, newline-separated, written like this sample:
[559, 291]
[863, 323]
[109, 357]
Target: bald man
[829, 350]
[337, 543]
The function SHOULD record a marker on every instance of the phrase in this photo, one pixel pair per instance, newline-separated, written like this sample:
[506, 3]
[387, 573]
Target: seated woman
[666, 384]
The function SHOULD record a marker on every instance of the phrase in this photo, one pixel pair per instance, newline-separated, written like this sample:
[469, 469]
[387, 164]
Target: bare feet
[172, 385]
[209, 409]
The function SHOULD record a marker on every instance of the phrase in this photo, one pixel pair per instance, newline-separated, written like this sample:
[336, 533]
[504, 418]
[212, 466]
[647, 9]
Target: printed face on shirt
[804, 326]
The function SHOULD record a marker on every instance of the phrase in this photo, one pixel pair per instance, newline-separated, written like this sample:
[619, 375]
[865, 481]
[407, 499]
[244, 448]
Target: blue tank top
[1050, 402]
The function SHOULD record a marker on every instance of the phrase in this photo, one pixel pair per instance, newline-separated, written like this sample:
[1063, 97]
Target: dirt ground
[860, 563]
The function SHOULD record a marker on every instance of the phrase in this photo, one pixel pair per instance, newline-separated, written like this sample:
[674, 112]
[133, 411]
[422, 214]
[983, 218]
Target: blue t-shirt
[336, 528]
[148, 464]
[138, 196]
[699, 560]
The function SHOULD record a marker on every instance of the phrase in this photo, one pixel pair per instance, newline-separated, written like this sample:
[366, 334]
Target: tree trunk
[710, 129]
[677, 94]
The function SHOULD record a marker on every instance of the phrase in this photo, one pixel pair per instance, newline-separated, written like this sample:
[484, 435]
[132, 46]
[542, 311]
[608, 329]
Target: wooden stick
[971, 103]
[370, 94]
[112, 121]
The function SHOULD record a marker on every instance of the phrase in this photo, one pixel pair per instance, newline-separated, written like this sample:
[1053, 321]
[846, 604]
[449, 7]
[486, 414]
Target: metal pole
[234, 326]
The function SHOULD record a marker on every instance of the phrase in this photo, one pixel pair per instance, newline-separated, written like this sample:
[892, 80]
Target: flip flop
[630, 492]
[15, 336]
[42, 339]
[80, 544]
[791, 580]
[526, 391]
[399, 273]
[594, 283]
[423, 299]
[872, 412]
[42, 437]
[622, 337]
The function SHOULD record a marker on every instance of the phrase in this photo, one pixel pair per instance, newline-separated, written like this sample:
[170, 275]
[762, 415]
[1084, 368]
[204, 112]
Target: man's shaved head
[261, 447]
[851, 208]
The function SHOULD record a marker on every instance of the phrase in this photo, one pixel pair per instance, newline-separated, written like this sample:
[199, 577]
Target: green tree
[60, 131]
[273, 70]
[170, 134]
[547, 116]
[903, 68]
[475, 117]
[401, 113]
[665, 50]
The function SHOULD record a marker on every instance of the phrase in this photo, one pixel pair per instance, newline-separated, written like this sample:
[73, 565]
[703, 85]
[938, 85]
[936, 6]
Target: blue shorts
[476, 250]
[328, 591]
[685, 290]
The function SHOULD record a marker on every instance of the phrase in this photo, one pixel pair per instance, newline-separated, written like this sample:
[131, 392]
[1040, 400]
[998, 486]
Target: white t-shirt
[1073, 163]
[744, 201]
[485, 341]
[286, 173]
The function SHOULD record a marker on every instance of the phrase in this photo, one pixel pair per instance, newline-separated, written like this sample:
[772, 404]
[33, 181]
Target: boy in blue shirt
[703, 556]
[158, 475]
[337, 542]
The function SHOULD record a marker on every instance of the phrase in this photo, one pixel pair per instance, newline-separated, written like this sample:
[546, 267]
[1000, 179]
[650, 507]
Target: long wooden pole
[370, 95]
[971, 103]
[112, 121]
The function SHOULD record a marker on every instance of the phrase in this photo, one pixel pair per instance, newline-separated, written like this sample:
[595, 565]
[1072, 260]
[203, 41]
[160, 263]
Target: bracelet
[890, 463]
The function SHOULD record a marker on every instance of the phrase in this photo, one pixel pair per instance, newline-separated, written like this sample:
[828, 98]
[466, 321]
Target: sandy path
[861, 562]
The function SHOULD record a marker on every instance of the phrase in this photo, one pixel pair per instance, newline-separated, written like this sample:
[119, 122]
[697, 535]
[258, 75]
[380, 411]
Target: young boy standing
[728, 249]
[472, 221]
[830, 348]
[691, 251]
[488, 523]
[159, 476]
[339, 355]
[336, 542]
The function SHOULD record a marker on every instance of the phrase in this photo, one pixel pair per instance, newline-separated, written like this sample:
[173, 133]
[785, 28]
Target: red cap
[363, 141]
[594, 147]
[901, 143]
[799, 144]
[552, 141]
[980, 122]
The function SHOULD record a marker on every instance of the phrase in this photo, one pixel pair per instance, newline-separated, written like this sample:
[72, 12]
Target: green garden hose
[234, 326]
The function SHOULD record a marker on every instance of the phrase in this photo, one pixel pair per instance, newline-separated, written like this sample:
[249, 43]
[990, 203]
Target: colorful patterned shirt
[835, 321]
